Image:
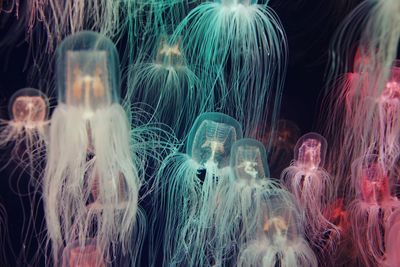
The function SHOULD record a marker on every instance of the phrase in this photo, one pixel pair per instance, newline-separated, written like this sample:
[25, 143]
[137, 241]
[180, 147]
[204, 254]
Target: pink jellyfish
[311, 185]
[371, 209]
[86, 255]
[27, 127]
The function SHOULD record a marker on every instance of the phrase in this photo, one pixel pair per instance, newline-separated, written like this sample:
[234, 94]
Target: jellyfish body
[238, 201]
[87, 255]
[91, 180]
[239, 50]
[311, 185]
[371, 209]
[27, 127]
[279, 240]
[190, 183]
[167, 84]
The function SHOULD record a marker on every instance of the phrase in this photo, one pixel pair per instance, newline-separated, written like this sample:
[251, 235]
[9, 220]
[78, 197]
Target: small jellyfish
[311, 185]
[284, 138]
[169, 86]
[371, 208]
[238, 49]
[92, 177]
[27, 127]
[279, 240]
[188, 183]
[239, 199]
[86, 255]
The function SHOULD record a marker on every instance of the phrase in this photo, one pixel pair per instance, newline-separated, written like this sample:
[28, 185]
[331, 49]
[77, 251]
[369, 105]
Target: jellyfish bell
[282, 221]
[210, 139]
[310, 151]
[83, 255]
[88, 75]
[169, 55]
[29, 107]
[372, 182]
[249, 160]
[237, 2]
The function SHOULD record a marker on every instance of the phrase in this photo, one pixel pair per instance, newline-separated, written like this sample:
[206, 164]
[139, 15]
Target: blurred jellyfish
[239, 199]
[392, 240]
[284, 138]
[91, 180]
[371, 209]
[238, 48]
[188, 183]
[279, 240]
[311, 185]
[27, 127]
[167, 84]
[86, 255]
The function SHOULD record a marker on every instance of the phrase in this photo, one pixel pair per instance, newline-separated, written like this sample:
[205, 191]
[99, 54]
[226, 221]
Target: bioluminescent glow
[238, 50]
[169, 87]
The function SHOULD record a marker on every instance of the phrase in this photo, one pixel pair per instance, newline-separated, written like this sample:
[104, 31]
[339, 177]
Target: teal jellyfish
[187, 184]
[239, 200]
[169, 86]
[239, 51]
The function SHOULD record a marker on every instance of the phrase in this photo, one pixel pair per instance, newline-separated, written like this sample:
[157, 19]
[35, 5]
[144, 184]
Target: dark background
[309, 25]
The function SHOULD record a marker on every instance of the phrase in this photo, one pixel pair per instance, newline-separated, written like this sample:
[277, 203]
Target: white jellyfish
[91, 181]
[238, 200]
[280, 236]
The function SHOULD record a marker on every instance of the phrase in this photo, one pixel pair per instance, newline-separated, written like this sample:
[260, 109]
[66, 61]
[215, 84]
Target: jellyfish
[92, 177]
[167, 84]
[187, 185]
[371, 208]
[239, 50]
[239, 199]
[27, 128]
[311, 185]
[279, 240]
[392, 231]
[87, 255]
[284, 137]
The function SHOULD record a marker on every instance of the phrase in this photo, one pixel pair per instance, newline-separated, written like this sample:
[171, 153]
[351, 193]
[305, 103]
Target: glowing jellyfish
[188, 185]
[239, 49]
[167, 84]
[371, 209]
[279, 240]
[27, 127]
[86, 255]
[238, 201]
[91, 181]
[311, 185]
